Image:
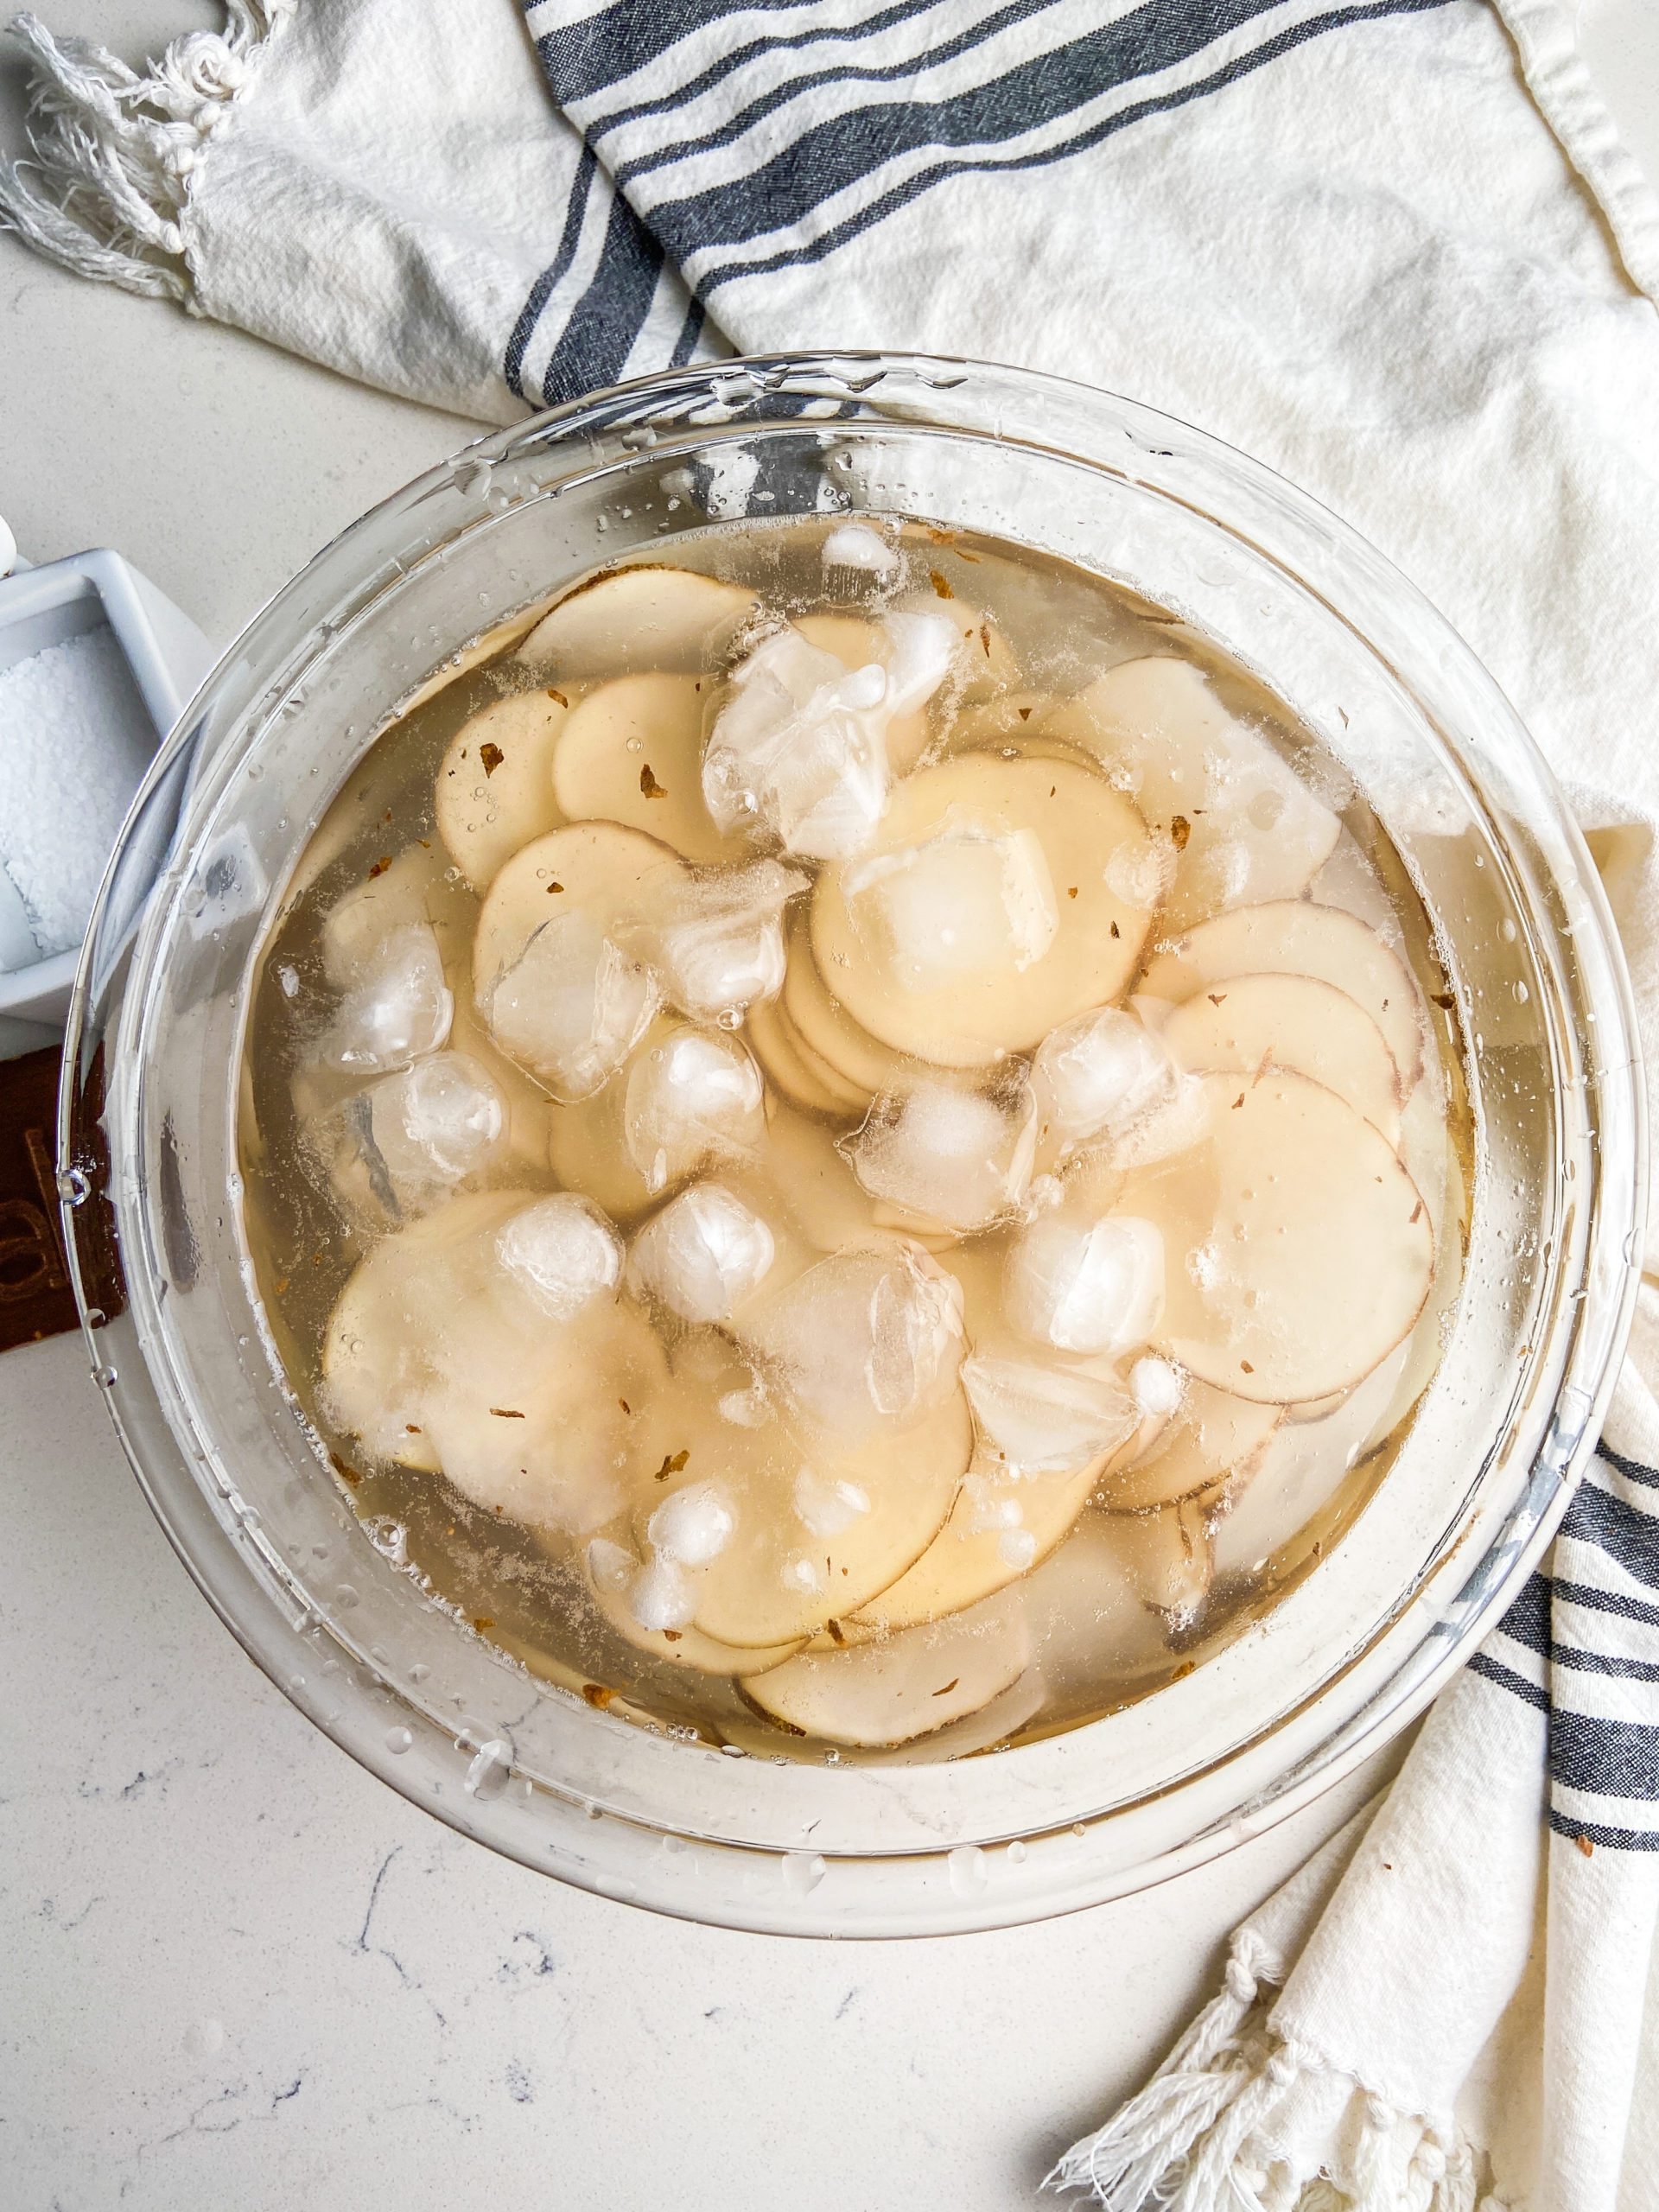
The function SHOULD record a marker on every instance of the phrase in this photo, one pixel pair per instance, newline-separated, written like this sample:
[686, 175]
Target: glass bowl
[177, 1337]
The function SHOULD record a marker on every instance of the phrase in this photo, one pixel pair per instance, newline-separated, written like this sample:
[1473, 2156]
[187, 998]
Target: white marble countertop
[236, 1973]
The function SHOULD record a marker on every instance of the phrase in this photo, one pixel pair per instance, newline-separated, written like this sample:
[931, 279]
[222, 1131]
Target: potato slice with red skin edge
[901, 1686]
[1254, 830]
[685, 1647]
[1079, 821]
[1293, 1022]
[643, 617]
[1293, 936]
[855, 644]
[486, 804]
[602, 866]
[1298, 1252]
[632, 753]
[785, 1071]
[776, 1578]
[822, 1023]
[965, 1563]
[1212, 1436]
[433, 1357]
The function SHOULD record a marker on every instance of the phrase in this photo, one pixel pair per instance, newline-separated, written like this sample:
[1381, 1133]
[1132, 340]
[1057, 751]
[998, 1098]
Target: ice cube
[954, 1156]
[795, 751]
[1086, 1286]
[1141, 871]
[714, 939]
[611, 1566]
[863, 1338]
[855, 545]
[693, 1526]
[425, 1129]
[399, 1007]
[693, 1098]
[921, 648]
[1044, 1418]
[701, 1256]
[573, 1005]
[659, 1596]
[975, 895]
[562, 1253]
[1155, 1385]
[1100, 1073]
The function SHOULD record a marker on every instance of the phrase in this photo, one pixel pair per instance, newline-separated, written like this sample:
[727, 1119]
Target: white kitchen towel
[1394, 249]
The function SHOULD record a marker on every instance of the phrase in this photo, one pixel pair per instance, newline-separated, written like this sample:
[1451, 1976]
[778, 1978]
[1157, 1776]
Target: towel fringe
[1189, 2141]
[113, 154]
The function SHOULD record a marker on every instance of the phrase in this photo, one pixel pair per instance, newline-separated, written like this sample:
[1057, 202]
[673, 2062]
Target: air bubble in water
[969, 1872]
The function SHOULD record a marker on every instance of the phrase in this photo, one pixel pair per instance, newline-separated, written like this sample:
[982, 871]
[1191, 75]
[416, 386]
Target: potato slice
[902, 1686]
[587, 1151]
[632, 753]
[900, 909]
[1002, 1525]
[610, 1565]
[397, 893]
[1297, 1250]
[1169, 1557]
[1293, 936]
[494, 787]
[640, 617]
[436, 1358]
[1252, 829]
[817, 1530]
[815, 1183]
[1214, 1434]
[1294, 1022]
[785, 1068]
[855, 644]
[824, 1026]
[595, 877]
[852, 1096]
[1011, 718]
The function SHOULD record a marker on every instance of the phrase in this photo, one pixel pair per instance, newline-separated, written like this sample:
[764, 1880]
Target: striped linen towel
[1394, 248]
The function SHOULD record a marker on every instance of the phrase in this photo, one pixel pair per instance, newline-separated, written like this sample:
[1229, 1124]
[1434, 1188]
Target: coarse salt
[74, 741]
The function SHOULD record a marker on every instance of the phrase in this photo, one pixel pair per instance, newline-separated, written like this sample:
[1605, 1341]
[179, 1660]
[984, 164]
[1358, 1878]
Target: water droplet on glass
[104, 1377]
[1507, 930]
[490, 1771]
[72, 1186]
[345, 1597]
[473, 478]
[1017, 1853]
[969, 1872]
[398, 1741]
[418, 1672]
[802, 1872]
[1522, 994]
[96, 1317]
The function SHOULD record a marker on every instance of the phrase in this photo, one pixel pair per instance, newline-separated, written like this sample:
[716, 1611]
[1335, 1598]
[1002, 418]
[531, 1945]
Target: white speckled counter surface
[236, 1973]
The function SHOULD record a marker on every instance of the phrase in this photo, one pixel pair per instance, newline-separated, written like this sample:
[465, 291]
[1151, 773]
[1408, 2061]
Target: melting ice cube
[1086, 1286]
[692, 1098]
[693, 1526]
[975, 895]
[1046, 1419]
[701, 1256]
[1101, 1073]
[855, 545]
[424, 1130]
[562, 1252]
[954, 1156]
[573, 1005]
[865, 1337]
[826, 1506]
[716, 938]
[399, 1007]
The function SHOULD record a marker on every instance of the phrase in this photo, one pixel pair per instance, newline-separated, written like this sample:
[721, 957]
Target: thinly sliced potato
[1297, 1250]
[1293, 1022]
[494, 787]
[1169, 1557]
[856, 644]
[1011, 718]
[1293, 936]
[786, 1072]
[901, 1686]
[632, 753]
[601, 866]
[610, 1563]
[640, 617]
[435, 1358]
[822, 1023]
[852, 1097]
[399, 892]
[1246, 827]
[876, 1509]
[1000, 1527]
[815, 1183]
[1090, 943]
[1213, 1435]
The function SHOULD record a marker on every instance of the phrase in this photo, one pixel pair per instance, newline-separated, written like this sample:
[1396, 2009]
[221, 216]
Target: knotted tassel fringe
[113, 153]
[1186, 2143]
